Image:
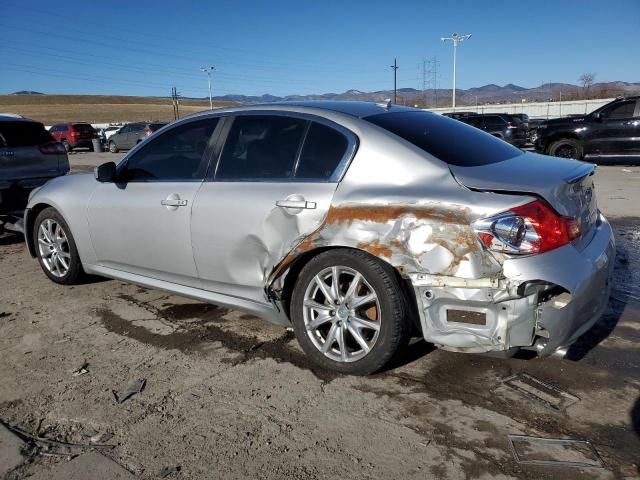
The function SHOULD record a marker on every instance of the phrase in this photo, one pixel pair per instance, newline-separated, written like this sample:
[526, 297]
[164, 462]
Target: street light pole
[208, 71]
[395, 67]
[455, 39]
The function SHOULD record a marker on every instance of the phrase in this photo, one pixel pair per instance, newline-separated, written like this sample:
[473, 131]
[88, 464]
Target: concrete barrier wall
[534, 110]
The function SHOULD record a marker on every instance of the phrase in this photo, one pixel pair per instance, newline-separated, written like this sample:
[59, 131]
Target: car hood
[554, 179]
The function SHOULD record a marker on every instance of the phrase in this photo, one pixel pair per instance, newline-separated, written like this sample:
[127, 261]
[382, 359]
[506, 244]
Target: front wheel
[55, 248]
[348, 312]
[113, 148]
[566, 148]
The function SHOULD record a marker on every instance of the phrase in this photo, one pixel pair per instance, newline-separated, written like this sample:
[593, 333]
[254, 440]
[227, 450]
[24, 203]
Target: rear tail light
[511, 125]
[528, 229]
[52, 148]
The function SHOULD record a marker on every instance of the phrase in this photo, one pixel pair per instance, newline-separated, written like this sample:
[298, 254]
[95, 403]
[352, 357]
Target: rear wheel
[113, 148]
[348, 312]
[566, 148]
[56, 249]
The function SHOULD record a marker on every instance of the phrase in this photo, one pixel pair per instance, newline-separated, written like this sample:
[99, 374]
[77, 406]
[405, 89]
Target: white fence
[534, 110]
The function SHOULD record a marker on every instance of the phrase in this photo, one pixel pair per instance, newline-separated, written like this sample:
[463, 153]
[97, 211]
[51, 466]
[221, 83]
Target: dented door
[241, 230]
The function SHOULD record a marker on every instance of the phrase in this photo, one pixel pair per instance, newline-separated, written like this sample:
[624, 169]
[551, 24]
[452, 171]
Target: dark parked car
[74, 135]
[29, 157]
[612, 130]
[504, 126]
[131, 134]
[459, 115]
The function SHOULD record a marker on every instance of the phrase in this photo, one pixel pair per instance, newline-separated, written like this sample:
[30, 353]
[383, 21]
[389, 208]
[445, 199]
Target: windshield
[451, 141]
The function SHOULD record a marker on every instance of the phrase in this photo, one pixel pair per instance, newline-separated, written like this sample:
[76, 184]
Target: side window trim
[204, 161]
[352, 146]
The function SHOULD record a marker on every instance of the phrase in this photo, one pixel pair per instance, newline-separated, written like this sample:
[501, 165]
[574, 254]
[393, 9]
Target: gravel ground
[228, 395]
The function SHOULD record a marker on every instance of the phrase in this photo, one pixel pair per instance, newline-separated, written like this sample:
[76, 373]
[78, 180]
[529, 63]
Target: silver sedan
[359, 224]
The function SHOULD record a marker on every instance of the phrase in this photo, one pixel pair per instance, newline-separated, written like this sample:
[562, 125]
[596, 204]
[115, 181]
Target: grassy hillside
[51, 109]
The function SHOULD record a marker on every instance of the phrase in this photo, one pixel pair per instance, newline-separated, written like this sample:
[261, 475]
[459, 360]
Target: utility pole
[395, 79]
[208, 71]
[424, 82]
[455, 39]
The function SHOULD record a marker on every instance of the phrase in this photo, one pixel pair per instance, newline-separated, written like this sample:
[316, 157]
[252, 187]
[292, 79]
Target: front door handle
[173, 203]
[296, 204]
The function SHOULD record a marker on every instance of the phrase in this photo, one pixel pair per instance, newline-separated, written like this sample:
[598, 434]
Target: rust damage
[427, 238]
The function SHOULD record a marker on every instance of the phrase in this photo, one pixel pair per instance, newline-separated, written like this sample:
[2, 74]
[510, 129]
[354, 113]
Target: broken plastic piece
[134, 386]
[543, 392]
[554, 451]
[82, 370]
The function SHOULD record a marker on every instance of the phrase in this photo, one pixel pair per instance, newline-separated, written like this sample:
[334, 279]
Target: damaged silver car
[359, 224]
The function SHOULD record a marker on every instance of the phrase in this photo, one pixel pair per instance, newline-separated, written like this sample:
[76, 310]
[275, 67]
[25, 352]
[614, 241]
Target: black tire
[566, 148]
[75, 273]
[66, 146]
[394, 326]
[113, 148]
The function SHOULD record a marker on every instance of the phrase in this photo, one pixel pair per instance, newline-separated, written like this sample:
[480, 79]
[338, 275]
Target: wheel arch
[559, 136]
[29, 224]
[295, 267]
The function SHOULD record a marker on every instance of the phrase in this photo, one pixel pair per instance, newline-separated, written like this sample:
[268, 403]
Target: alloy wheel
[53, 247]
[566, 151]
[341, 314]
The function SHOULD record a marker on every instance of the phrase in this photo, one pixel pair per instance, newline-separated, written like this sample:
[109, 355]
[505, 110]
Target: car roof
[12, 117]
[354, 109]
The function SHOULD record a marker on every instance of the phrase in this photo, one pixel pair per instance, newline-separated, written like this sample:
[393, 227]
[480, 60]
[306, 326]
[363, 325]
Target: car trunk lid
[566, 185]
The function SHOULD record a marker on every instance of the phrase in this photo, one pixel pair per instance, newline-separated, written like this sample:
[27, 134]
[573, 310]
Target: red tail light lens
[528, 229]
[52, 148]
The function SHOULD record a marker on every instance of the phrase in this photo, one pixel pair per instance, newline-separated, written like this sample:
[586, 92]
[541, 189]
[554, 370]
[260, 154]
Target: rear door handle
[173, 203]
[296, 204]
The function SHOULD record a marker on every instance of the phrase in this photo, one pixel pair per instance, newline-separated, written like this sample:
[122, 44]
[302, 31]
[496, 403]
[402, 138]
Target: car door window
[261, 147]
[177, 154]
[323, 149]
[620, 111]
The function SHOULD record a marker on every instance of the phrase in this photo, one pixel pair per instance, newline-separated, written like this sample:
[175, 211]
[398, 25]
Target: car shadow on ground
[635, 417]
[417, 348]
[620, 296]
[11, 239]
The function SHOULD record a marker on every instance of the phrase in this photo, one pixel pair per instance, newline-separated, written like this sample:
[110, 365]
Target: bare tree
[586, 79]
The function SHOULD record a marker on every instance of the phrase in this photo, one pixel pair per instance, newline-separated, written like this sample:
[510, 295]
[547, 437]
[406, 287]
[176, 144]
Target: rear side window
[23, 134]
[261, 147]
[621, 110]
[174, 155]
[323, 149]
[449, 140]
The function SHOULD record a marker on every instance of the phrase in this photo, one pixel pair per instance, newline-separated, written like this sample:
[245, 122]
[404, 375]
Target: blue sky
[301, 47]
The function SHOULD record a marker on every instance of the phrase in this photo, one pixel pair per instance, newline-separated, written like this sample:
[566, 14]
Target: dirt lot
[230, 396]
[50, 109]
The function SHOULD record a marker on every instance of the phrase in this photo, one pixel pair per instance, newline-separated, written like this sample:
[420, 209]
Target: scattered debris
[134, 386]
[551, 451]
[46, 446]
[4, 314]
[543, 392]
[101, 438]
[166, 471]
[82, 370]
[89, 465]
[11, 446]
[626, 170]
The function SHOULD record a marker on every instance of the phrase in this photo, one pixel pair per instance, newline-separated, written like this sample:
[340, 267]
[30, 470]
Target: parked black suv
[612, 130]
[502, 125]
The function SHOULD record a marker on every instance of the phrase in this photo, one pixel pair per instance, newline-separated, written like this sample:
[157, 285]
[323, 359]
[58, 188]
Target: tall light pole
[395, 68]
[208, 71]
[455, 39]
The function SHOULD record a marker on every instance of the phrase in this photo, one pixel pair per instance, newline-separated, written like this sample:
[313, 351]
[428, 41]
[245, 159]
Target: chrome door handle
[170, 202]
[296, 204]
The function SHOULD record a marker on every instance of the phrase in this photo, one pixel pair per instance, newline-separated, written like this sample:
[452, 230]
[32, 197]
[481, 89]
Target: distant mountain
[491, 93]
[26, 92]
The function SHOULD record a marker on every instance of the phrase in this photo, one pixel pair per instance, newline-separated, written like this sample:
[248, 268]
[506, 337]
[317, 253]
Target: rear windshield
[156, 126]
[23, 134]
[82, 127]
[451, 141]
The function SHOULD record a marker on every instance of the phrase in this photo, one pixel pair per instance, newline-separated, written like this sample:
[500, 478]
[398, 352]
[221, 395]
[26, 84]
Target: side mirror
[597, 116]
[105, 173]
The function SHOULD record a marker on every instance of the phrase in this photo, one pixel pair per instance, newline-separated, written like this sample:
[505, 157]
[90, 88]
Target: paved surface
[229, 396]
